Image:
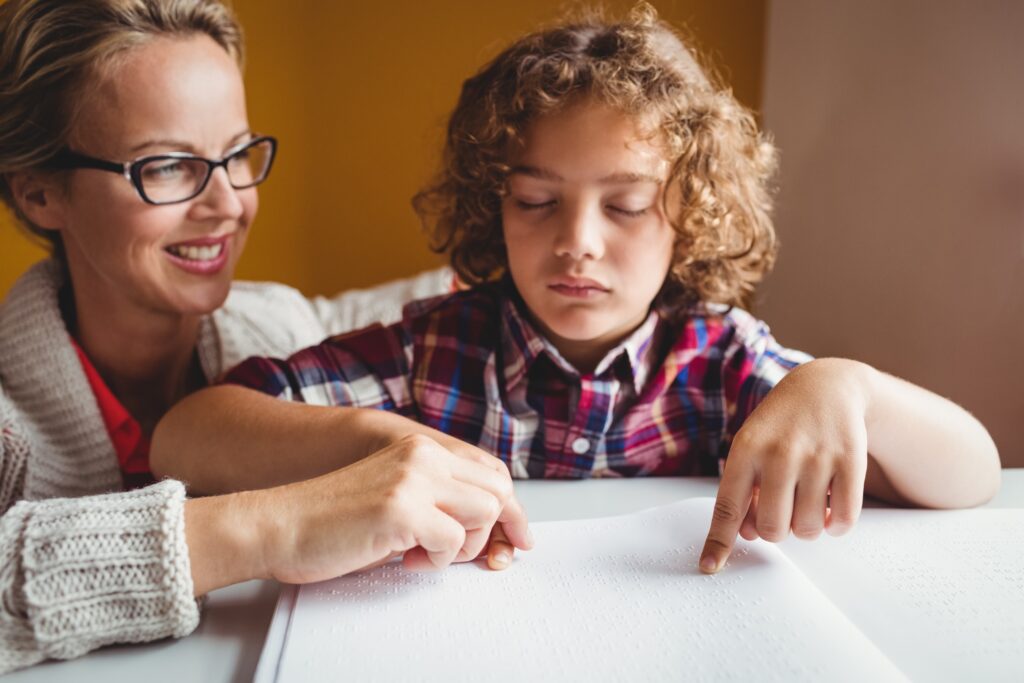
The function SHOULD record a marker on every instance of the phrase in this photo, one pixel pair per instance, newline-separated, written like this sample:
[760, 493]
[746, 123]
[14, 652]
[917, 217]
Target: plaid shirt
[666, 401]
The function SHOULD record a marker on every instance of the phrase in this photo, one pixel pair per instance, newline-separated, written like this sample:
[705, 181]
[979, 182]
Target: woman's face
[170, 95]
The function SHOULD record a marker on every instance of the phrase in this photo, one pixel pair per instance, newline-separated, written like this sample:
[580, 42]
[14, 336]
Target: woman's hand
[799, 461]
[382, 429]
[414, 498]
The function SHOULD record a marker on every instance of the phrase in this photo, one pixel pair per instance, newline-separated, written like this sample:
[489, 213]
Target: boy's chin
[580, 332]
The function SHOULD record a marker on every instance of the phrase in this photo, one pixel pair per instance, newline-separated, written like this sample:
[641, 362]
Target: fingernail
[708, 565]
[501, 559]
[529, 536]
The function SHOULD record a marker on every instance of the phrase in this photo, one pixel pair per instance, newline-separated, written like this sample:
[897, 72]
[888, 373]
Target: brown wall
[358, 94]
[901, 210]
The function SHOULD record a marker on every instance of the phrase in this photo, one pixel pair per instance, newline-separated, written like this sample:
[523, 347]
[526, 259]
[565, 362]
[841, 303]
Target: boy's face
[588, 244]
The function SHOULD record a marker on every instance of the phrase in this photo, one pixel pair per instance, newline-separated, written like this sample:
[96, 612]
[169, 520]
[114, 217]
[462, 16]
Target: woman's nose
[219, 199]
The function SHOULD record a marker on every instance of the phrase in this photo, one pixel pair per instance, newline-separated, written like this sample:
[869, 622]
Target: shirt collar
[118, 421]
[522, 345]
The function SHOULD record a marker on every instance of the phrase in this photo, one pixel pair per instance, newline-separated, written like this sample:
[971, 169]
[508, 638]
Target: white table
[227, 645]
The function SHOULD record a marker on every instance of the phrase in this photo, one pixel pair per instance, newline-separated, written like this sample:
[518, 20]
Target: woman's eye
[165, 170]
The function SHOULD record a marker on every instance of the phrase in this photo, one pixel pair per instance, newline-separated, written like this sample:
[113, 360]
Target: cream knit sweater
[82, 563]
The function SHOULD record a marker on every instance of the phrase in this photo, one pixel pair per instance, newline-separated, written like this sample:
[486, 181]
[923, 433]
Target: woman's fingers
[482, 475]
[476, 510]
[470, 506]
[438, 541]
[475, 490]
[514, 525]
[487, 472]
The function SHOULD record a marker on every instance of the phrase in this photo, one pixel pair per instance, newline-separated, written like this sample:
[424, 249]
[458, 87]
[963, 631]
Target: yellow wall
[358, 93]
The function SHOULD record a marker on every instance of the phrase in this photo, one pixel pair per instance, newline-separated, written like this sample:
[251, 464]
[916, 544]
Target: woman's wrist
[226, 537]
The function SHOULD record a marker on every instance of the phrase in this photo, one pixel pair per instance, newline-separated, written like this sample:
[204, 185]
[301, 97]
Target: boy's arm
[832, 430]
[230, 438]
[274, 421]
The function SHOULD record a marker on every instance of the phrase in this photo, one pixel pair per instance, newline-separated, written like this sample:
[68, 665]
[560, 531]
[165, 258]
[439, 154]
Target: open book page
[618, 598]
[941, 592]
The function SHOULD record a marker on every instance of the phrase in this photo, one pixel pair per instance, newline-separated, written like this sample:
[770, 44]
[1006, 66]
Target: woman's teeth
[196, 253]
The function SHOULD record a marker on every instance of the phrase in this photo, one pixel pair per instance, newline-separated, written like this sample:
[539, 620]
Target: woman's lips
[202, 256]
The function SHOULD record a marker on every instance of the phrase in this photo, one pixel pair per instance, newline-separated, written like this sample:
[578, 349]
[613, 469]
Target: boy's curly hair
[721, 164]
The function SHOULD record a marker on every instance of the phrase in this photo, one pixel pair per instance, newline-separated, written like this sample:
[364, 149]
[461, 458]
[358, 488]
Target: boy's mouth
[577, 287]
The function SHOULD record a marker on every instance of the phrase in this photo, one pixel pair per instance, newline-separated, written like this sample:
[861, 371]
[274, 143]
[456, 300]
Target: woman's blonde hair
[49, 51]
[721, 164]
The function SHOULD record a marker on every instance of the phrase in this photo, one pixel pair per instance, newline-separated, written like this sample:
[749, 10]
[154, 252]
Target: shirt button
[580, 446]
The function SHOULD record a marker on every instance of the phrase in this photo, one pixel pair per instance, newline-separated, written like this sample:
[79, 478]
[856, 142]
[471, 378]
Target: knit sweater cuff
[108, 569]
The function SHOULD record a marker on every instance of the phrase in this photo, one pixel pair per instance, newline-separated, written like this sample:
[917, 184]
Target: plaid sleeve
[753, 364]
[368, 368]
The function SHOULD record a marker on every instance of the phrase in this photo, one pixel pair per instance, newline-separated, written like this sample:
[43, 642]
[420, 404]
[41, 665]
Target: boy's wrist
[378, 429]
[856, 379]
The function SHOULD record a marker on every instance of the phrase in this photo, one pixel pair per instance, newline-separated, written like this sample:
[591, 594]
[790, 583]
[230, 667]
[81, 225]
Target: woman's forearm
[413, 497]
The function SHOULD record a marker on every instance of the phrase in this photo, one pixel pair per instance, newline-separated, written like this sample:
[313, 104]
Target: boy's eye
[534, 206]
[629, 213]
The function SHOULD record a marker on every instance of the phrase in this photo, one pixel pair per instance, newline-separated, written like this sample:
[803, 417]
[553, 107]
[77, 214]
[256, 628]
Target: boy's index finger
[730, 509]
[499, 550]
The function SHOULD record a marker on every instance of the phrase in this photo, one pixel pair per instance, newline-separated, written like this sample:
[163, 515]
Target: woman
[125, 143]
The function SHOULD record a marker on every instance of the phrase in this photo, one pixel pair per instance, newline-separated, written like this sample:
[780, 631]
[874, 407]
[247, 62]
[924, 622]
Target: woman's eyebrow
[183, 145]
[162, 142]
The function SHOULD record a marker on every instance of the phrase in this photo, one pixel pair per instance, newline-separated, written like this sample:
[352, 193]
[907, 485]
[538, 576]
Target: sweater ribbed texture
[82, 563]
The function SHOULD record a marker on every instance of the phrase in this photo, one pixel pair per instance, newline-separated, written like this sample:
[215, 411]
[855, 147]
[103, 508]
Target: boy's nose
[579, 234]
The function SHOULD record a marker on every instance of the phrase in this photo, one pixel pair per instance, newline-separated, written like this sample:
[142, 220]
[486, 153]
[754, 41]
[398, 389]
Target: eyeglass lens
[170, 179]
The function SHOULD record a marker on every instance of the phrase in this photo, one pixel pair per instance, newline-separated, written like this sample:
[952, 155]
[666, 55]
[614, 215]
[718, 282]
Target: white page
[940, 592]
[617, 598]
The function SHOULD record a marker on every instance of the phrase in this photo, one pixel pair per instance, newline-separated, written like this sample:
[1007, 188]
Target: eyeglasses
[178, 176]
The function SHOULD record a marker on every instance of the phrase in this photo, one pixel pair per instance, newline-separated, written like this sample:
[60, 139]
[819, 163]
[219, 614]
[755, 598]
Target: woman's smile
[203, 256]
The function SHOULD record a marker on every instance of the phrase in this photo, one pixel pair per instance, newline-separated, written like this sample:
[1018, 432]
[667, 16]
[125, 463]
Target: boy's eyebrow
[613, 179]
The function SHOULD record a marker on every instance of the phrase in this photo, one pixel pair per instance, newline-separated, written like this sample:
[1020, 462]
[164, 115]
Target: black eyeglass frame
[68, 159]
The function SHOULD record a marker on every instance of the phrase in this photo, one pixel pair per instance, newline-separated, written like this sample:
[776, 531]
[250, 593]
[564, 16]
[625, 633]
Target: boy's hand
[500, 549]
[798, 462]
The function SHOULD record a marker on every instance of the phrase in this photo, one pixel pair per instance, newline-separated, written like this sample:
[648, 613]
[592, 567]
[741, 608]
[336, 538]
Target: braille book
[908, 595]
